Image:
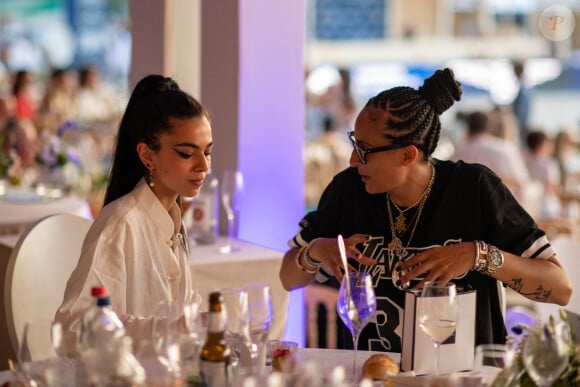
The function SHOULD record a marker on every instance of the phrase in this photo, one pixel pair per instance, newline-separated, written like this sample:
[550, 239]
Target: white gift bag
[455, 354]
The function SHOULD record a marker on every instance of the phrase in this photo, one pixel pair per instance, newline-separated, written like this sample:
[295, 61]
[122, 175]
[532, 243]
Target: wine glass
[166, 338]
[356, 305]
[261, 317]
[438, 313]
[231, 188]
[497, 364]
[238, 326]
[545, 353]
[41, 341]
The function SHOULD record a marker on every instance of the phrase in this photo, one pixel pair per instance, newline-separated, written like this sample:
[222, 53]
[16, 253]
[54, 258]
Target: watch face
[496, 257]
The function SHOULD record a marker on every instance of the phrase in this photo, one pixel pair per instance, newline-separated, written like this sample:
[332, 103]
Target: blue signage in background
[89, 20]
[348, 19]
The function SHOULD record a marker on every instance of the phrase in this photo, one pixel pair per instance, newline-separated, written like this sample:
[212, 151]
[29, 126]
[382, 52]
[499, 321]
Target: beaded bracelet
[309, 260]
[299, 265]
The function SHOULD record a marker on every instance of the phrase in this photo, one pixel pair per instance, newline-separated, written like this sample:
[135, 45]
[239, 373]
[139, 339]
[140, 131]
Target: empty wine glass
[231, 189]
[356, 306]
[496, 363]
[545, 353]
[167, 337]
[438, 313]
[261, 317]
[41, 341]
[238, 326]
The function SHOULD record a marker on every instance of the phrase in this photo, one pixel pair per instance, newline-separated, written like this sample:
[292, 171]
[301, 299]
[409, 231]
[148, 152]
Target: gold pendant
[400, 223]
[396, 247]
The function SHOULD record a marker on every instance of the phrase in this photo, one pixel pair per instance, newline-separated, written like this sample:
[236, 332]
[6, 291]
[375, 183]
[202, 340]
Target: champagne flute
[545, 353]
[356, 306]
[231, 188]
[438, 313]
[261, 317]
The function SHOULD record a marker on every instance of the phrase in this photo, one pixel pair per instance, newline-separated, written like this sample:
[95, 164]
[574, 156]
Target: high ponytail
[155, 100]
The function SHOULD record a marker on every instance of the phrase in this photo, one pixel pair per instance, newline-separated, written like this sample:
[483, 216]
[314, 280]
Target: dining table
[20, 208]
[323, 365]
[211, 270]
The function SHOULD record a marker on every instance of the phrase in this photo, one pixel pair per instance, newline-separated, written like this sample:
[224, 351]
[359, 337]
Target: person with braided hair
[408, 218]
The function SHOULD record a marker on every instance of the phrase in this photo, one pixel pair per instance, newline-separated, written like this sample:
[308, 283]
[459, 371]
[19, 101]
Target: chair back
[37, 272]
[567, 248]
[327, 297]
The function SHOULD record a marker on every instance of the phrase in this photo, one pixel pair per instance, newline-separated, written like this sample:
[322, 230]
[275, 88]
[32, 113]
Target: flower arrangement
[52, 153]
[570, 376]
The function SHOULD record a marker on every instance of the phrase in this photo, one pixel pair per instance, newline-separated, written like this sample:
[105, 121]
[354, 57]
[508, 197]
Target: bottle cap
[104, 301]
[98, 291]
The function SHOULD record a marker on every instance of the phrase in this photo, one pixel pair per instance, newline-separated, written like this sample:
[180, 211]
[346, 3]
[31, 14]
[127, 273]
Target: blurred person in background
[21, 135]
[565, 149]
[24, 92]
[543, 167]
[501, 156]
[94, 100]
[521, 104]
[59, 101]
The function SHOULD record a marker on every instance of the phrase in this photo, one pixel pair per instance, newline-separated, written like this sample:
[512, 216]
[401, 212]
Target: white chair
[567, 249]
[38, 270]
[315, 296]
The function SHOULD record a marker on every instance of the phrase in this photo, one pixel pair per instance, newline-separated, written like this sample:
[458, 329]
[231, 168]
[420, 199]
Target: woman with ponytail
[137, 247]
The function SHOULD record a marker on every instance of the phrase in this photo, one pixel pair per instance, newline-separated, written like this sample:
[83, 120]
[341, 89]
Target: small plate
[22, 196]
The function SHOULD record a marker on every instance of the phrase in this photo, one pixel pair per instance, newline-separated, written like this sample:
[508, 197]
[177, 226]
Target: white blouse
[135, 250]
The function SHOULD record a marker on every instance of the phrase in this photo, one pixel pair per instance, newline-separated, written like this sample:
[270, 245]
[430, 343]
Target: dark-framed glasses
[362, 153]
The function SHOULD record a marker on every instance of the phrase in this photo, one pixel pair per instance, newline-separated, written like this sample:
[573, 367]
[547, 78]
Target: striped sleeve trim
[324, 273]
[541, 248]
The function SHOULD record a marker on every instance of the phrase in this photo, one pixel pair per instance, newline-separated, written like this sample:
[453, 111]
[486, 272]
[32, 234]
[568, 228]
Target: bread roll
[379, 367]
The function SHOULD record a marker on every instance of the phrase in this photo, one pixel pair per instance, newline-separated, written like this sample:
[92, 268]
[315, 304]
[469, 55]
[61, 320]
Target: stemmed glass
[356, 306]
[238, 326]
[41, 341]
[231, 189]
[545, 353]
[166, 338]
[438, 313]
[261, 317]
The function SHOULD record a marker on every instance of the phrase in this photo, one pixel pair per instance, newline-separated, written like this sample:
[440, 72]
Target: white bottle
[204, 210]
[101, 332]
[90, 313]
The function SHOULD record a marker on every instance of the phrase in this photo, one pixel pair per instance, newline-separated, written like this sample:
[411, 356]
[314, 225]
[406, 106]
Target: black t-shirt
[467, 202]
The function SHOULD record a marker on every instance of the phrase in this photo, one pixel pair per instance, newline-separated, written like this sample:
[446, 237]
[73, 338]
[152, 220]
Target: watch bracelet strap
[483, 257]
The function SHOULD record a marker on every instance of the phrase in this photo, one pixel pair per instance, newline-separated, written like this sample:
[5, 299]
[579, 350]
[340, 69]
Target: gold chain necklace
[401, 221]
[396, 245]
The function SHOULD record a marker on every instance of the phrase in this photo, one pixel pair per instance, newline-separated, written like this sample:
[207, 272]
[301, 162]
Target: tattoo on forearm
[540, 294]
[516, 284]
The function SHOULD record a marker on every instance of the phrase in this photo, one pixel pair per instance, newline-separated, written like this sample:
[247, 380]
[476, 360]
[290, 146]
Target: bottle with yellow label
[215, 360]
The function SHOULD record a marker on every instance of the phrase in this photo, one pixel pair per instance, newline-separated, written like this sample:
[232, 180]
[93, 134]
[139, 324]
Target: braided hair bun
[441, 90]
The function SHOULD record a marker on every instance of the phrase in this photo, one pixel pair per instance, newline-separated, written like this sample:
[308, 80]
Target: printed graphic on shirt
[384, 332]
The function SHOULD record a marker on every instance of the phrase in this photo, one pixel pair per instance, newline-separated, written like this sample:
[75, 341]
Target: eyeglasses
[362, 153]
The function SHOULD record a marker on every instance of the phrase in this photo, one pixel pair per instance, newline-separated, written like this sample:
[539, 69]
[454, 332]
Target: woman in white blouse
[137, 247]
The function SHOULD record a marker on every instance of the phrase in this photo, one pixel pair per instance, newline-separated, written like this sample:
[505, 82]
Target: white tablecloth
[326, 360]
[212, 270]
[19, 209]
